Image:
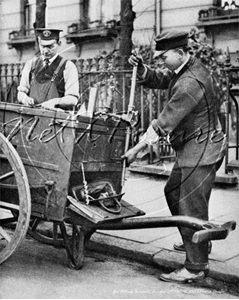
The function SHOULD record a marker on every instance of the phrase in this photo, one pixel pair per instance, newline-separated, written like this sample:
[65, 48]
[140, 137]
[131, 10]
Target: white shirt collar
[53, 58]
[183, 64]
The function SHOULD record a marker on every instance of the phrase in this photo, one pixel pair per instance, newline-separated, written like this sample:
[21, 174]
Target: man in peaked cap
[190, 119]
[170, 40]
[49, 80]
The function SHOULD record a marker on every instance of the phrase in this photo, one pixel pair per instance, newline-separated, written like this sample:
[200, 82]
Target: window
[96, 22]
[25, 34]
[100, 12]
[28, 17]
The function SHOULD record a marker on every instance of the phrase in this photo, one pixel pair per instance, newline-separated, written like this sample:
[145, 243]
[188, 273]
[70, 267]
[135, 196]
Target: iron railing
[113, 85]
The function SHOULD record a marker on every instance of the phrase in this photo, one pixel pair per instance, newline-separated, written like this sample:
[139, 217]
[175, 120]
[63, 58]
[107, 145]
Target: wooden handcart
[61, 173]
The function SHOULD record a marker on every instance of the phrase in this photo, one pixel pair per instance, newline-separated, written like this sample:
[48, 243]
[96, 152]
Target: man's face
[49, 50]
[171, 59]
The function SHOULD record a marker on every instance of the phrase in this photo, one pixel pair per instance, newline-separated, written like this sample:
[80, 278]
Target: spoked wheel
[15, 199]
[61, 234]
[45, 232]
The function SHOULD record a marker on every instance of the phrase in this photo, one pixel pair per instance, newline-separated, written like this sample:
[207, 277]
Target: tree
[127, 16]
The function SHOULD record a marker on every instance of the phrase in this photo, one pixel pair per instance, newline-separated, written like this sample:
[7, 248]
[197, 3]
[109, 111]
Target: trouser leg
[187, 192]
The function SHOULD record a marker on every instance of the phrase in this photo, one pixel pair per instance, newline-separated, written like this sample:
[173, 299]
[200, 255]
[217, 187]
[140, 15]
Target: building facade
[91, 27]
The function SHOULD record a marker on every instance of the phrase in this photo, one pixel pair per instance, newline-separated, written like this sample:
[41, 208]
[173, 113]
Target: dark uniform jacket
[190, 114]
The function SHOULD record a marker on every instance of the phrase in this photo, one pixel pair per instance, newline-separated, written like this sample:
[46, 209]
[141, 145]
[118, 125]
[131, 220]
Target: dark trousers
[187, 193]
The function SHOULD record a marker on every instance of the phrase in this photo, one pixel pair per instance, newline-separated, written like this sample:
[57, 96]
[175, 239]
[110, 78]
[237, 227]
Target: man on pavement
[190, 120]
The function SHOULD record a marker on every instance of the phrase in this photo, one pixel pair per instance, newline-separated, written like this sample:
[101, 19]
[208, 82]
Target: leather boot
[183, 276]
[180, 247]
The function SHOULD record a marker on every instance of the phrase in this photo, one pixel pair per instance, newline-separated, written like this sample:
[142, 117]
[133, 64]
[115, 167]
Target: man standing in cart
[49, 80]
[190, 119]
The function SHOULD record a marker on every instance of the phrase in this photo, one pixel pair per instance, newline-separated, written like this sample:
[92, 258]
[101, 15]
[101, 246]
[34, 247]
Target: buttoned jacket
[190, 114]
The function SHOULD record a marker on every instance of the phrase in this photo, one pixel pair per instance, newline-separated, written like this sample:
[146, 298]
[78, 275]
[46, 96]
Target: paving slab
[156, 245]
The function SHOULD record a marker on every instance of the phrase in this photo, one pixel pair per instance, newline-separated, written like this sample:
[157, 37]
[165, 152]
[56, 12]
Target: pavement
[144, 189]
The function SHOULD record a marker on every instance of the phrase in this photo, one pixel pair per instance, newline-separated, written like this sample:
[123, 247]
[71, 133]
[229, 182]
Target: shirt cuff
[150, 137]
[23, 89]
[159, 131]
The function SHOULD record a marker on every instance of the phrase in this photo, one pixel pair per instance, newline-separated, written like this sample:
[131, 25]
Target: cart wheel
[14, 211]
[45, 232]
[76, 259]
[75, 246]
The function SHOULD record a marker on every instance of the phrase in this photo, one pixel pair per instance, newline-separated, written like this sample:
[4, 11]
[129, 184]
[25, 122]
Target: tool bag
[99, 193]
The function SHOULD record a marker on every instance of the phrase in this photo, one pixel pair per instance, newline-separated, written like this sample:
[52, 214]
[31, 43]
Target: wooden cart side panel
[45, 145]
[54, 147]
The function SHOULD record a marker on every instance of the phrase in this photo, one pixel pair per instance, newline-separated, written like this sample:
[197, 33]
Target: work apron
[42, 92]
[46, 90]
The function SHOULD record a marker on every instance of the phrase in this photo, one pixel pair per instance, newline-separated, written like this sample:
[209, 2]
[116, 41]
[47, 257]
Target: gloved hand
[137, 60]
